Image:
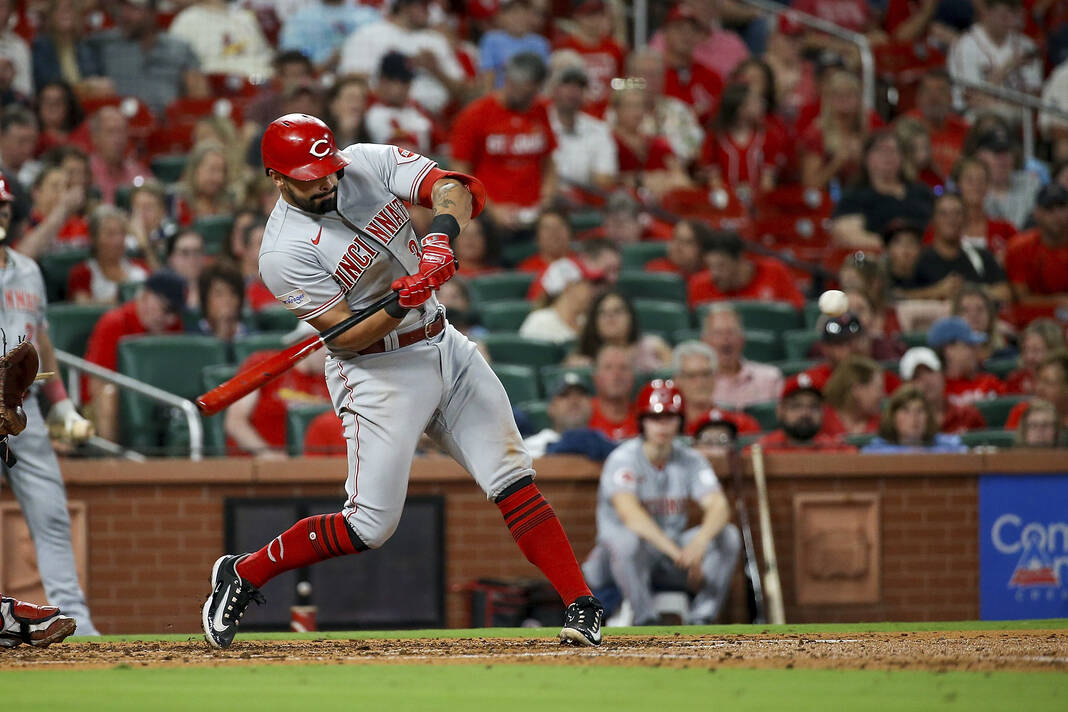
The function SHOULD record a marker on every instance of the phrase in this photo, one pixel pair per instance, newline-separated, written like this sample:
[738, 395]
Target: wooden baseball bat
[772, 584]
[226, 394]
[755, 592]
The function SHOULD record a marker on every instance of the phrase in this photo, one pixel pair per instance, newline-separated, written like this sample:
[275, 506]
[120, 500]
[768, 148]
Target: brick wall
[154, 531]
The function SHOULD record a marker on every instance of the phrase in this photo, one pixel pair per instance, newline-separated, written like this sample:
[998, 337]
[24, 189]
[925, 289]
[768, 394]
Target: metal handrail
[1027, 104]
[192, 415]
[867, 59]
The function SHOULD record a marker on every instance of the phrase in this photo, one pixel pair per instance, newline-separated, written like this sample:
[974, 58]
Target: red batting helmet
[301, 147]
[5, 192]
[659, 397]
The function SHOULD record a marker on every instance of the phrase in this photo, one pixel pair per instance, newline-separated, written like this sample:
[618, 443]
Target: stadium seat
[214, 434]
[774, 316]
[799, 343]
[811, 314]
[551, 374]
[914, 338]
[521, 382]
[536, 412]
[764, 414]
[245, 346]
[69, 327]
[989, 438]
[790, 367]
[660, 317]
[275, 319]
[298, 418]
[495, 287]
[128, 290]
[123, 194]
[685, 335]
[859, 440]
[996, 410]
[745, 441]
[513, 254]
[636, 255]
[585, 219]
[55, 267]
[168, 168]
[505, 315]
[216, 232]
[509, 348]
[1000, 367]
[762, 345]
[174, 363]
[652, 285]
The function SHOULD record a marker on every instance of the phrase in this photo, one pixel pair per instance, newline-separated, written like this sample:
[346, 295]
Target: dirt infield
[987, 650]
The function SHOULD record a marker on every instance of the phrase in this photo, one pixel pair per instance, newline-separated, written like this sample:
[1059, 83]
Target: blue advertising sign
[1023, 546]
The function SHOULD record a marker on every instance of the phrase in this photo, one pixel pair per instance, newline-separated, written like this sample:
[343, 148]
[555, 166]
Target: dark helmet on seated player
[658, 398]
[300, 147]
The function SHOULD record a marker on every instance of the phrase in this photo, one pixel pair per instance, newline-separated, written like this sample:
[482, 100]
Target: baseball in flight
[834, 303]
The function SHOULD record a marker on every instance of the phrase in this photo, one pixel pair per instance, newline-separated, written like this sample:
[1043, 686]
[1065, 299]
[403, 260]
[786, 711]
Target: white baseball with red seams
[834, 303]
[441, 385]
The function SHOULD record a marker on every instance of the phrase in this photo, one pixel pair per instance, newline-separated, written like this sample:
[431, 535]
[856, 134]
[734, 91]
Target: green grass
[396, 688]
[1049, 624]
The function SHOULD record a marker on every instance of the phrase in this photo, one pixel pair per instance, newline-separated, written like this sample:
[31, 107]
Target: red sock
[308, 541]
[542, 540]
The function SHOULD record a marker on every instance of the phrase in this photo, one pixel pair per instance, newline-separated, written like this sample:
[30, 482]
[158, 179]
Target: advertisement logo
[1038, 563]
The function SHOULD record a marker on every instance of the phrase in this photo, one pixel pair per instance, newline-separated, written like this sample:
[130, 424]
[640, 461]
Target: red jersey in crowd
[663, 264]
[613, 429]
[275, 397]
[746, 424]
[961, 419]
[657, 151]
[777, 441]
[103, 347]
[604, 62]
[257, 296]
[821, 373]
[73, 233]
[506, 149]
[1039, 267]
[739, 164]
[698, 86]
[833, 426]
[967, 391]
[771, 282]
[1020, 381]
[325, 436]
[853, 15]
[947, 140]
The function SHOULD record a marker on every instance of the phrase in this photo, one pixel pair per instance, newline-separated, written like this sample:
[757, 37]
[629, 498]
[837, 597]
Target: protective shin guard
[308, 541]
[541, 538]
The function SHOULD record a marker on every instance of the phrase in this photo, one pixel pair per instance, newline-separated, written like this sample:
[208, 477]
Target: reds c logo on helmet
[301, 147]
[660, 396]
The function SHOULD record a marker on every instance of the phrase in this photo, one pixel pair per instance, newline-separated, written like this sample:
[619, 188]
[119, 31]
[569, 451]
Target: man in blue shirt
[516, 23]
[319, 29]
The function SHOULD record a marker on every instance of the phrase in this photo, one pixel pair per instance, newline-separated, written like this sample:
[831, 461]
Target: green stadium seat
[652, 285]
[513, 349]
[123, 195]
[495, 287]
[128, 290]
[216, 232]
[996, 410]
[914, 338]
[275, 319]
[536, 411]
[168, 169]
[685, 335]
[174, 363]
[512, 255]
[989, 438]
[69, 325]
[860, 440]
[811, 314]
[245, 346]
[762, 345]
[660, 317]
[799, 343]
[551, 374]
[791, 367]
[773, 316]
[764, 414]
[745, 441]
[1000, 367]
[55, 267]
[298, 418]
[214, 434]
[585, 219]
[636, 255]
[505, 315]
[520, 382]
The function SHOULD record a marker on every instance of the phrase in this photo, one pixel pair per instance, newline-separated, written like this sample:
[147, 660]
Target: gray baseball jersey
[664, 493]
[35, 479]
[439, 385]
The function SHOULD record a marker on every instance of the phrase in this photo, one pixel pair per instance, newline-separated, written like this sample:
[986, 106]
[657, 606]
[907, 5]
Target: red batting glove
[412, 290]
[437, 263]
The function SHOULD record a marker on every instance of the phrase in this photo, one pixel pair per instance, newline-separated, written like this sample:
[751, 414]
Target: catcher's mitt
[18, 367]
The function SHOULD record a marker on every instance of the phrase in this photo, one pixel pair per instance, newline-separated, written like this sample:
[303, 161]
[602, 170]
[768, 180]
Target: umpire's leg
[38, 486]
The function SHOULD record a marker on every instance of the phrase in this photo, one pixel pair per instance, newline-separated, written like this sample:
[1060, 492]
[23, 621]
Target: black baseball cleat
[582, 622]
[39, 626]
[229, 597]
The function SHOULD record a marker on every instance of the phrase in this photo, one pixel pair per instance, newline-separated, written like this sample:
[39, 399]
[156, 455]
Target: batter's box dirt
[987, 650]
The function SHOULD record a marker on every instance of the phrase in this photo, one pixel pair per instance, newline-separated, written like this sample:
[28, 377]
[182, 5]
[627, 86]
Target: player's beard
[317, 205]
[803, 430]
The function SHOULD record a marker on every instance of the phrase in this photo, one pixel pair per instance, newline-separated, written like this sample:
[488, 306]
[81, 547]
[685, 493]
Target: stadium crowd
[665, 211]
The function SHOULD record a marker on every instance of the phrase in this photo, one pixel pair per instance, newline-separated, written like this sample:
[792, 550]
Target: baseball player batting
[37, 482]
[642, 506]
[338, 240]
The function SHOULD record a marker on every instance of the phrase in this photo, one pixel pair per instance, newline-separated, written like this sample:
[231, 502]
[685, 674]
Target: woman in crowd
[852, 397]
[185, 255]
[832, 145]
[863, 273]
[61, 54]
[644, 160]
[684, 256]
[902, 246]
[220, 291]
[883, 347]
[149, 223]
[1039, 426]
[223, 131]
[1039, 339]
[97, 279]
[552, 235]
[915, 142]
[56, 220]
[473, 251]
[909, 425]
[568, 291]
[974, 305]
[611, 320]
[58, 114]
[744, 151]
[882, 194]
[203, 190]
[972, 178]
[346, 104]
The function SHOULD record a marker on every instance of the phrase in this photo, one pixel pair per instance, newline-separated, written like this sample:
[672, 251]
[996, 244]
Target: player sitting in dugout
[642, 509]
